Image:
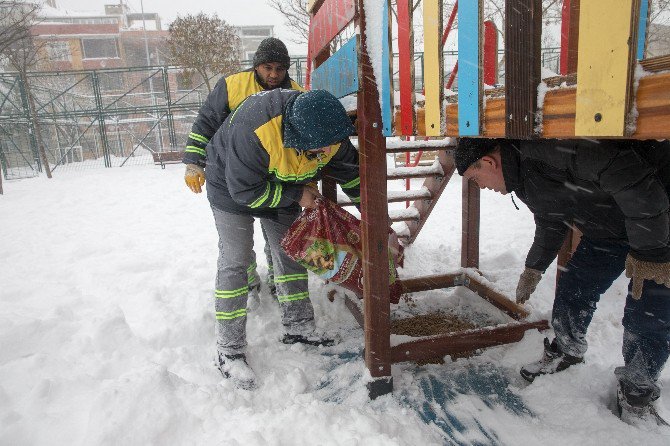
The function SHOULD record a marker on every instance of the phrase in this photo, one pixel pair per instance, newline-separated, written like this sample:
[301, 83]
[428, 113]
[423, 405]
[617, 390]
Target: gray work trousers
[236, 241]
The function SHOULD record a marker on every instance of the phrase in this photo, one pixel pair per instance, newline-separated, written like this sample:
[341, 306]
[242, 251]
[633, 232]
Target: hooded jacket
[227, 95]
[610, 189]
[250, 171]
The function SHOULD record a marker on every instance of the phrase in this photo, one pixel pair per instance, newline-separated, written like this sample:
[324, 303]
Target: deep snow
[106, 334]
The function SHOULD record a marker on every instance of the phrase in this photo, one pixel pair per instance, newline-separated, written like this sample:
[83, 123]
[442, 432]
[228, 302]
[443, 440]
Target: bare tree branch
[296, 15]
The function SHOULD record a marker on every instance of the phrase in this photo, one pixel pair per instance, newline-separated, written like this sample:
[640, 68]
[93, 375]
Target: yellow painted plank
[432, 65]
[603, 67]
[310, 5]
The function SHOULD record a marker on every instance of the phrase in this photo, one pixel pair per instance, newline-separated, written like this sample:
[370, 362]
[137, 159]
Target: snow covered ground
[106, 335]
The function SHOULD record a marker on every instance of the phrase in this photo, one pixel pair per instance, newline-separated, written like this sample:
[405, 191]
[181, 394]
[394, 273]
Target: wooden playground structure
[606, 90]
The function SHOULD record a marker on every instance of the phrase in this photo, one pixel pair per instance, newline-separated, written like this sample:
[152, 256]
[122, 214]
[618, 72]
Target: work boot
[637, 408]
[553, 360]
[311, 339]
[236, 368]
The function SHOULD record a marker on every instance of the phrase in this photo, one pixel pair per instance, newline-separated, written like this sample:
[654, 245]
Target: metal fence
[112, 117]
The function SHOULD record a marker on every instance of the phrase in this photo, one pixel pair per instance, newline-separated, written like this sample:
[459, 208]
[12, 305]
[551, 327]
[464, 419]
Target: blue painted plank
[469, 74]
[339, 73]
[642, 28]
[387, 92]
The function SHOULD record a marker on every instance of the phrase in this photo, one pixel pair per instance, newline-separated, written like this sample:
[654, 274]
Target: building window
[99, 48]
[59, 51]
[257, 32]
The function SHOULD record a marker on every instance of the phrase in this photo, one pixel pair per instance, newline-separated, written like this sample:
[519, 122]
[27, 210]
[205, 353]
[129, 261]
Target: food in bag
[327, 241]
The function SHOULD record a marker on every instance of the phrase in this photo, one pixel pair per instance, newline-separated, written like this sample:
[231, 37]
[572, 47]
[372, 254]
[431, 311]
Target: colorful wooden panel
[523, 32]
[432, 65]
[469, 71]
[604, 69]
[331, 18]
[386, 100]
[406, 68]
[339, 74]
[642, 29]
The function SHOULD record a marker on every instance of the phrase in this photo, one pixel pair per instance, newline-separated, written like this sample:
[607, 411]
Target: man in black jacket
[616, 193]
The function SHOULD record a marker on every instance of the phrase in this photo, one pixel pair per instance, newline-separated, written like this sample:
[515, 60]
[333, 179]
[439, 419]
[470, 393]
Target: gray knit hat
[272, 50]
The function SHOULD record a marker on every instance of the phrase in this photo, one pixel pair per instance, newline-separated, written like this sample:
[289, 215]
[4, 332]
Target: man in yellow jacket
[270, 71]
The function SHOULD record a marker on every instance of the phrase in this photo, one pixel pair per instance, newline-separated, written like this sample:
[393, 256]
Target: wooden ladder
[422, 200]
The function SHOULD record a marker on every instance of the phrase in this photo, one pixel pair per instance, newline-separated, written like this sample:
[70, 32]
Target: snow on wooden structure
[363, 65]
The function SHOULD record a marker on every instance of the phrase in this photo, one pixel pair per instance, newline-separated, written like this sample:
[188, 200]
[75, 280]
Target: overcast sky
[235, 12]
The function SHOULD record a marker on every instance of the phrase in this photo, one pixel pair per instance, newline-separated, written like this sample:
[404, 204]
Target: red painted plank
[333, 16]
[406, 67]
[490, 53]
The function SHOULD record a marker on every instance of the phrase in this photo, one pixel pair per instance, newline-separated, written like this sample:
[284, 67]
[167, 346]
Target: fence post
[170, 119]
[101, 119]
[31, 127]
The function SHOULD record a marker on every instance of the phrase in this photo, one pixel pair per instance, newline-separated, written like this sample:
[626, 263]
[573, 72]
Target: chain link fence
[114, 117]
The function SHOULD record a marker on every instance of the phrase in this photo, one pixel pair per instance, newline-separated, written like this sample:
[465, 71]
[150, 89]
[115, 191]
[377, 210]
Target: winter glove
[639, 271]
[527, 282]
[194, 177]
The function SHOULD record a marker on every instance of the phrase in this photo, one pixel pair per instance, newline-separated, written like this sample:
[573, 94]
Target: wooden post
[490, 53]
[374, 223]
[523, 32]
[569, 37]
[470, 87]
[406, 67]
[470, 225]
[607, 56]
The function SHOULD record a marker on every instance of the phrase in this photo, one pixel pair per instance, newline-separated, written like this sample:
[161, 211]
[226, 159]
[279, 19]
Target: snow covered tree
[205, 45]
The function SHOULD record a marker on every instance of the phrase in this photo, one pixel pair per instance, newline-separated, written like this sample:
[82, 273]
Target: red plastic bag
[327, 241]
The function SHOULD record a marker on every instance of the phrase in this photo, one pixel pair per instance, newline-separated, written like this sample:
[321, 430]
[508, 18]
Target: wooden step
[394, 196]
[401, 173]
[447, 144]
[408, 214]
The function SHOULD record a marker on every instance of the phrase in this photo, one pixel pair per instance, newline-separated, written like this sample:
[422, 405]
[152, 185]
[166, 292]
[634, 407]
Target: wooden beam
[642, 26]
[569, 37]
[470, 85]
[604, 72]
[355, 310]
[374, 217]
[425, 283]
[433, 66]
[652, 104]
[453, 343]
[339, 73]
[331, 18]
[470, 225]
[523, 32]
[387, 91]
[495, 298]
[406, 68]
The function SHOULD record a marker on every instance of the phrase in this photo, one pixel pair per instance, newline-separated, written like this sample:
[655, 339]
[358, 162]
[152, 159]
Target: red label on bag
[327, 241]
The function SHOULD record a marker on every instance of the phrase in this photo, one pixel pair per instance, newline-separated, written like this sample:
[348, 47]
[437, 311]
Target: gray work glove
[527, 283]
[639, 271]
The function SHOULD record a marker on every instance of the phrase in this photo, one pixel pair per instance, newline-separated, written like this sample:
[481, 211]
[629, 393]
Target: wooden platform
[558, 113]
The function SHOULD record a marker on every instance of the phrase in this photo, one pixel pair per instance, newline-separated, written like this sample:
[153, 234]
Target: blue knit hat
[315, 119]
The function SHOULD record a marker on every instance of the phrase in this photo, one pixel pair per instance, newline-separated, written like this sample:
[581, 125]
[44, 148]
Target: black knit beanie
[315, 119]
[470, 150]
[272, 50]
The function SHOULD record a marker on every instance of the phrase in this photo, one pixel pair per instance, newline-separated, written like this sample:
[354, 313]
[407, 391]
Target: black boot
[553, 360]
[636, 408]
[313, 339]
[236, 368]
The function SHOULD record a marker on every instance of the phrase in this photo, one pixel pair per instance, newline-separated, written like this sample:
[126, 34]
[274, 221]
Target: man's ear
[488, 160]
